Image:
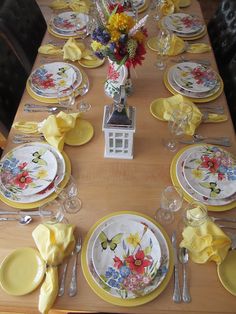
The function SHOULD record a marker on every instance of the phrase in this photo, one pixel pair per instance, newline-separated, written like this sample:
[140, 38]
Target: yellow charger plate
[42, 201]
[152, 44]
[81, 134]
[85, 81]
[105, 295]
[91, 63]
[200, 35]
[227, 272]
[143, 7]
[187, 197]
[22, 271]
[196, 100]
[61, 36]
[184, 3]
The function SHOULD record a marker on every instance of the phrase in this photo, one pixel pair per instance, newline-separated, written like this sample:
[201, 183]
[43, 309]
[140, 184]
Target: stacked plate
[207, 174]
[27, 174]
[184, 25]
[43, 83]
[193, 80]
[68, 24]
[126, 259]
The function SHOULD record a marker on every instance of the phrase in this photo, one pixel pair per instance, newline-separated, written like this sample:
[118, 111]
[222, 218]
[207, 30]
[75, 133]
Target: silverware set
[73, 282]
[197, 138]
[184, 59]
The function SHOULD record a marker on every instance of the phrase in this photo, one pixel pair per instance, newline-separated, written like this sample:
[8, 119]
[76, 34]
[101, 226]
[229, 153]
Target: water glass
[68, 194]
[171, 201]
[177, 126]
[66, 97]
[195, 214]
[163, 45]
[51, 212]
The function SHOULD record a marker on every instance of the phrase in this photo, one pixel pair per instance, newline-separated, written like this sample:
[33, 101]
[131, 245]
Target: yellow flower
[115, 35]
[139, 36]
[197, 174]
[121, 22]
[96, 45]
[42, 173]
[62, 83]
[133, 239]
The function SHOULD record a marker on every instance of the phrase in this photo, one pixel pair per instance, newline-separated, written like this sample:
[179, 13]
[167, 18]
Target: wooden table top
[109, 185]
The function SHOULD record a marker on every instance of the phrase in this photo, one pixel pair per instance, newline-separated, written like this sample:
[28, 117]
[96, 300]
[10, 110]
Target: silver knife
[26, 212]
[229, 219]
[213, 142]
[177, 293]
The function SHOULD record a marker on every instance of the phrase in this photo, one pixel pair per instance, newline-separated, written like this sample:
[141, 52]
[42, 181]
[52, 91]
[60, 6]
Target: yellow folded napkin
[177, 46]
[168, 105]
[72, 50]
[215, 118]
[54, 128]
[50, 49]
[206, 242]
[54, 243]
[75, 5]
[198, 48]
[167, 7]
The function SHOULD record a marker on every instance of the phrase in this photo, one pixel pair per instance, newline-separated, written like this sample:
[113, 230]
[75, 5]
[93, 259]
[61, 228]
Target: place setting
[193, 80]
[185, 26]
[127, 258]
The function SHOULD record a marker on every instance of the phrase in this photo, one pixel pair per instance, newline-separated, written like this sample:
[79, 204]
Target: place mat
[60, 162]
[196, 100]
[227, 272]
[189, 195]
[22, 271]
[81, 134]
[111, 296]
[78, 90]
[209, 170]
[48, 196]
[194, 77]
[27, 170]
[183, 23]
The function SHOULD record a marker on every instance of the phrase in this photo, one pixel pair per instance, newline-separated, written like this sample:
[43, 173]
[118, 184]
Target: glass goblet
[66, 97]
[171, 201]
[51, 212]
[163, 45]
[68, 194]
[177, 126]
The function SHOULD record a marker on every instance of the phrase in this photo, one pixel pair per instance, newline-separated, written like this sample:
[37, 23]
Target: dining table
[109, 185]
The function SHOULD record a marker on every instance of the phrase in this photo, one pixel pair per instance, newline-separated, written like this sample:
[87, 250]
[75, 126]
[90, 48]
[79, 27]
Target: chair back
[12, 83]
[222, 32]
[23, 24]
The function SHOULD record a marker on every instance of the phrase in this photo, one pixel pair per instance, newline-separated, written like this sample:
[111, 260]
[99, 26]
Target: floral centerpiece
[119, 37]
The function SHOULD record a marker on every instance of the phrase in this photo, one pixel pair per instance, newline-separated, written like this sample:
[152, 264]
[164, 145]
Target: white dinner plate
[183, 23]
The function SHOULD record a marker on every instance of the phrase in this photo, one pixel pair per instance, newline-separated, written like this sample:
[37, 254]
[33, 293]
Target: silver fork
[203, 62]
[73, 283]
[24, 138]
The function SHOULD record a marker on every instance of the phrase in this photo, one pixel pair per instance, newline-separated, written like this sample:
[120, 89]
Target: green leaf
[205, 185]
[147, 250]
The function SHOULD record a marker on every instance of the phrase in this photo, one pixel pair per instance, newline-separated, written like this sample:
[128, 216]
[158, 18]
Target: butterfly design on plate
[111, 243]
[213, 187]
[37, 157]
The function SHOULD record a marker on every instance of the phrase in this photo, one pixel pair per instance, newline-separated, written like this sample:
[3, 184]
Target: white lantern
[119, 128]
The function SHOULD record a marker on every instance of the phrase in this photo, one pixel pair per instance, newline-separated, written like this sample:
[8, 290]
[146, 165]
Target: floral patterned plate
[183, 23]
[194, 77]
[211, 172]
[189, 190]
[129, 249]
[48, 77]
[28, 170]
[13, 195]
[45, 81]
[192, 94]
[69, 22]
[134, 283]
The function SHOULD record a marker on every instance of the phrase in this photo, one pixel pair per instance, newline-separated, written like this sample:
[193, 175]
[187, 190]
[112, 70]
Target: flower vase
[117, 75]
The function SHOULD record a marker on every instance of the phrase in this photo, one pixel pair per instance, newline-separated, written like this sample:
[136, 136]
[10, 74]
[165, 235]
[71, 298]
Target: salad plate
[183, 23]
[27, 170]
[194, 77]
[69, 22]
[81, 134]
[226, 272]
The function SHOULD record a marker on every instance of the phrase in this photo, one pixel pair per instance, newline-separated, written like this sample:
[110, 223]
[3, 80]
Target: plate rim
[219, 271]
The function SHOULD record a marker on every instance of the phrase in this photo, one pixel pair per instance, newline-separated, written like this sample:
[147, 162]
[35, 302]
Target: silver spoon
[23, 220]
[183, 258]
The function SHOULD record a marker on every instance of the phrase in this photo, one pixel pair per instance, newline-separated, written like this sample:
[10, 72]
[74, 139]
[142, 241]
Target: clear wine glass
[51, 212]
[68, 194]
[171, 201]
[66, 97]
[155, 9]
[163, 45]
[177, 125]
